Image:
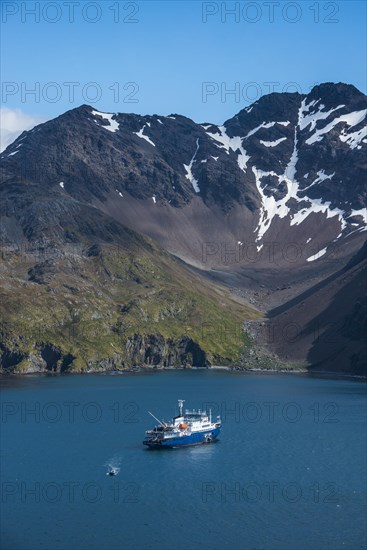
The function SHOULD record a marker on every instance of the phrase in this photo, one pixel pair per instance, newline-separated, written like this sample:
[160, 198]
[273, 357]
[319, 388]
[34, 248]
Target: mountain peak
[336, 93]
[274, 106]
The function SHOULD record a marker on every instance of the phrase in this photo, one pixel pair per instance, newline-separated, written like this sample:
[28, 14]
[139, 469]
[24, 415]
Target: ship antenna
[180, 403]
[157, 419]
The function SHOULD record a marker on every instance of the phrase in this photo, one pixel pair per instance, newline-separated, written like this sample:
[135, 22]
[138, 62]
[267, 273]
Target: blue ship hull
[197, 438]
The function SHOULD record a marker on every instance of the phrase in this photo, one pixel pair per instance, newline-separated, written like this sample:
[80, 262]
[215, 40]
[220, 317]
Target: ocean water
[289, 470]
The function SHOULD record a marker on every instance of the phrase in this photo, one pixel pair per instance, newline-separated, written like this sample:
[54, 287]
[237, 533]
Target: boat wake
[113, 466]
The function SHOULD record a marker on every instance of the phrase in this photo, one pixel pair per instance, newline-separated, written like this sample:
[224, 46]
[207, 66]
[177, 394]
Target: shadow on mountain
[340, 345]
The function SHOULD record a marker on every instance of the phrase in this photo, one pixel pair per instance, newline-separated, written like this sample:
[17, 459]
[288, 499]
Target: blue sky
[158, 57]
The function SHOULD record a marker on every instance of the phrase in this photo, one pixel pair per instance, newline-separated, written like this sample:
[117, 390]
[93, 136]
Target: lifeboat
[183, 426]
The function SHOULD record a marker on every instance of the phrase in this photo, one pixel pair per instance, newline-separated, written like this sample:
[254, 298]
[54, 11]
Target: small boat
[190, 428]
[112, 472]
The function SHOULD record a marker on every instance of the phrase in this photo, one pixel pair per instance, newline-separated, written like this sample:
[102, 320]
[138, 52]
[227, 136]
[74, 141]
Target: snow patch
[317, 255]
[317, 206]
[266, 125]
[262, 125]
[312, 118]
[272, 143]
[231, 143]
[355, 138]
[188, 168]
[113, 125]
[143, 136]
[271, 208]
[351, 119]
[321, 176]
[362, 212]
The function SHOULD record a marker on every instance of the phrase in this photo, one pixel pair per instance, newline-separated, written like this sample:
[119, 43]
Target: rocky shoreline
[228, 369]
[253, 359]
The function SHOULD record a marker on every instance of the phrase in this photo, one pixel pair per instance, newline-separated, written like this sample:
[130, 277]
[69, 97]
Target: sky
[205, 60]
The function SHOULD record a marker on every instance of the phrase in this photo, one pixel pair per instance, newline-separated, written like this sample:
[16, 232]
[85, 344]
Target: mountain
[270, 205]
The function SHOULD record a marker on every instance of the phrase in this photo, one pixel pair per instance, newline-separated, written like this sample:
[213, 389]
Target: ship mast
[157, 419]
[180, 403]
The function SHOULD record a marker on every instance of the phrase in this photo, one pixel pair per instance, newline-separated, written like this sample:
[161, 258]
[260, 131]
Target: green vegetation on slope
[87, 310]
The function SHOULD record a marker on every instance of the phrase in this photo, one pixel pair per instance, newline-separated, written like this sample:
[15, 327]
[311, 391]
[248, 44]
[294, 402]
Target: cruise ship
[190, 428]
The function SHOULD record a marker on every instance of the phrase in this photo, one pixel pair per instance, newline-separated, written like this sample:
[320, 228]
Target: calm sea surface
[288, 473]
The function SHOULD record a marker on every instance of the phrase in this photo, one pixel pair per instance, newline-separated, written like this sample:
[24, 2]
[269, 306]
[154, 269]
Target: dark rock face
[9, 357]
[140, 350]
[154, 350]
[45, 358]
[54, 359]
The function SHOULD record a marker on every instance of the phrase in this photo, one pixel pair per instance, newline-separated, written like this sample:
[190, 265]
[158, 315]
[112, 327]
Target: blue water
[289, 471]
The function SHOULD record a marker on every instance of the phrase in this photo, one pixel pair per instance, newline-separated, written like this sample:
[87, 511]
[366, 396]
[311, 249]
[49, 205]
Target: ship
[194, 427]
